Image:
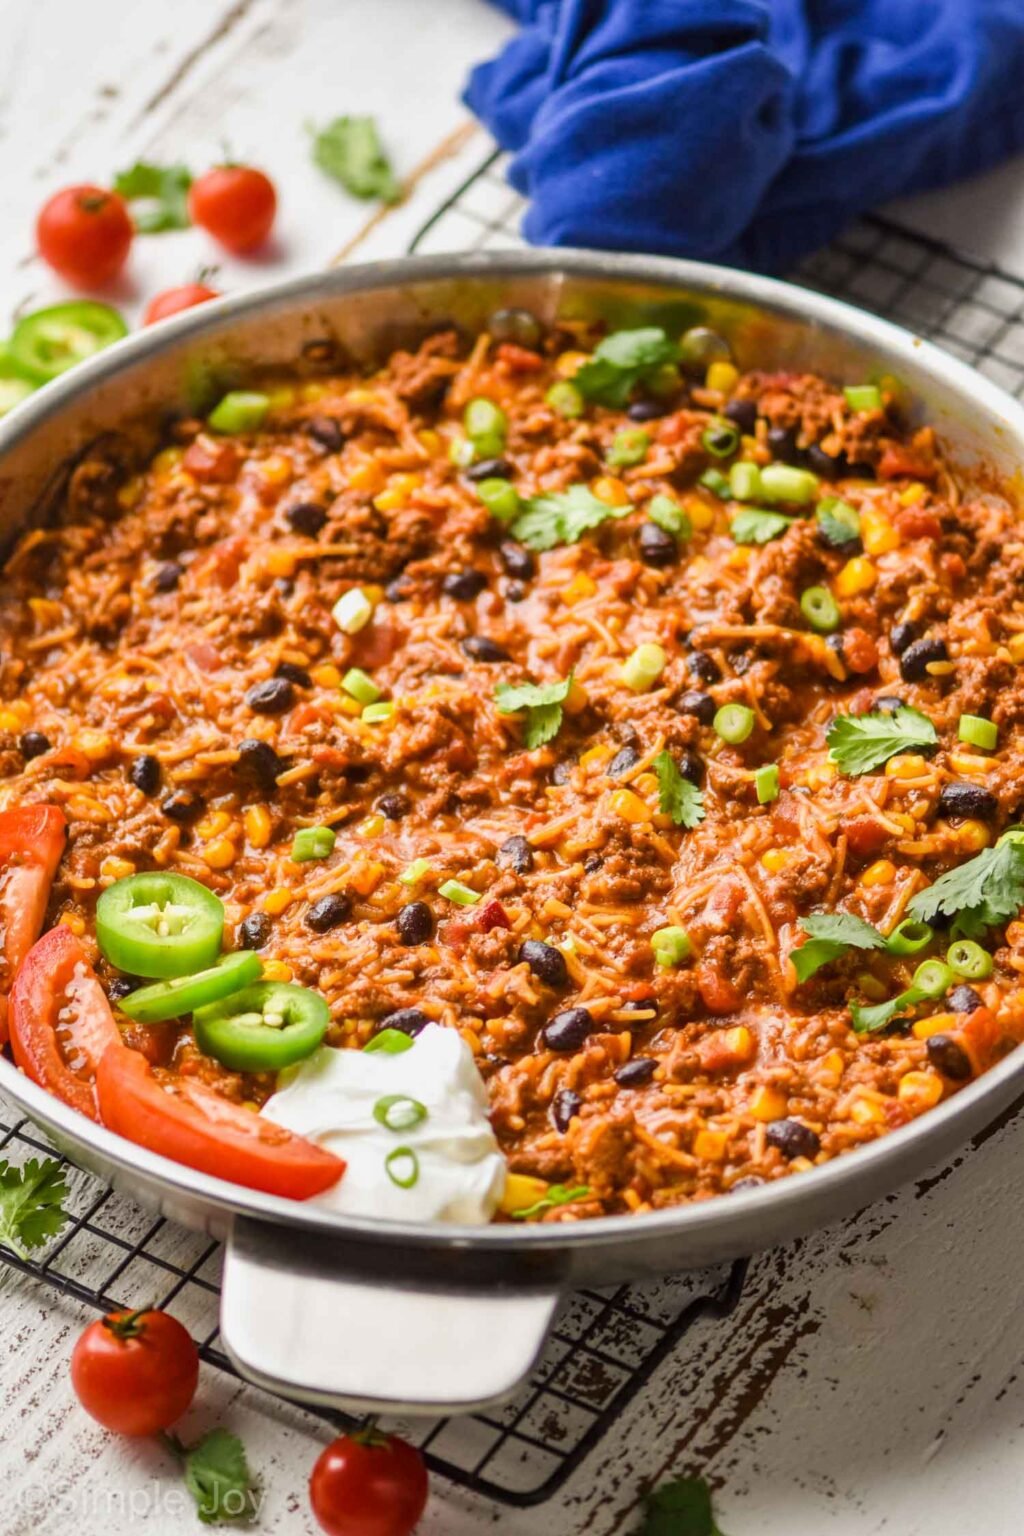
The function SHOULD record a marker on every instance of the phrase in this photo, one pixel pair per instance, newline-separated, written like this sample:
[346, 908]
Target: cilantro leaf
[677, 797]
[542, 703]
[869, 1020]
[623, 360]
[859, 743]
[218, 1478]
[681, 1507]
[985, 892]
[755, 526]
[162, 191]
[349, 150]
[562, 517]
[558, 1194]
[831, 935]
[31, 1200]
[838, 522]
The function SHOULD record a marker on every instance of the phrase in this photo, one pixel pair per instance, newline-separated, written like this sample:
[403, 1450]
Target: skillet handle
[295, 1322]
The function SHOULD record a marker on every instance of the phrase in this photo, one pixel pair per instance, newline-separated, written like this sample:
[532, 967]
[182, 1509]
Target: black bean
[545, 961]
[743, 413]
[949, 1058]
[393, 806]
[564, 1106]
[701, 705]
[900, 636]
[292, 674]
[592, 863]
[568, 1029]
[272, 697]
[483, 648]
[793, 1138]
[464, 585]
[400, 589]
[415, 923]
[490, 469]
[752, 1181]
[306, 517]
[828, 465]
[636, 1072]
[121, 986]
[182, 806]
[782, 442]
[409, 1020]
[327, 432]
[561, 773]
[641, 1005]
[916, 658]
[962, 799]
[690, 766]
[254, 931]
[167, 576]
[258, 761]
[888, 703]
[964, 999]
[515, 853]
[517, 559]
[518, 326]
[515, 592]
[33, 744]
[145, 773]
[647, 410]
[704, 667]
[657, 547]
[625, 759]
[328, 912]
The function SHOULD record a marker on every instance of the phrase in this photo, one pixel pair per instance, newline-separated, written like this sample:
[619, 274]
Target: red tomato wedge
[60, 1020]
[191, 1124]
[31, 843]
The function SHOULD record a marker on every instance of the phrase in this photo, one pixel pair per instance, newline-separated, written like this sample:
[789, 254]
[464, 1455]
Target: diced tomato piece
[211, 460]
[192, 1124]
[918, 523]
[492, 915]
[726, 1048]
[678, 427]
[515, 359]
[375, 645]
[981, 1033]
[60, 1021]
[204, 657]
[860, 653]
[953, 565]
[717, 991]
[865, 835]
[31, 844]
[898, 461]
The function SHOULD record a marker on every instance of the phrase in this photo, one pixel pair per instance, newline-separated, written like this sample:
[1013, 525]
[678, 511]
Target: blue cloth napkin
[745, 131]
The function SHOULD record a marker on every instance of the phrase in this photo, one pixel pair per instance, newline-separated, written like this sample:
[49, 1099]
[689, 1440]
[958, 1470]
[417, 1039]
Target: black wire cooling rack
[606, 1343]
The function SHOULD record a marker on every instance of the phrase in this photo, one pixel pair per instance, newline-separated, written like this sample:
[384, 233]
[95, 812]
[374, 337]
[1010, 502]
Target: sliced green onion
[501, 498]
[909, 937]
[863, 397]
[373, 714]
[392, 1042]
[353, 611]
[399, 1112]
[486, 427]
[642, 670]
[745, 481]
[668, 514]
[665, 381]
[565, 398]
[312, 843]
[720, 438]
[701, 345]
[242, 410]
[820, 609]
[970, 960]
[462, 895]
[671, 946]
[360, 686]
[933, 979]
[461, 452]
[714, 481]
[782, 482]
[734, 723]
[628, 447]
[766, 783]
[415, 872]
[978, 732]
[402, 1167]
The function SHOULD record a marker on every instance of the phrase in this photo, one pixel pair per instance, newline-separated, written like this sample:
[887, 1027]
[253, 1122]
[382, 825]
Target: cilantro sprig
[869, 1019]
[31, 1203]
[755, 526]
[217, 1476]
[860, 743]
[622, 361]
[677, 797]
[349, 150]
[558, 1194]
[681, 1507]
[982, 893]
[831, 935]
[541, 703]
[562, 517]
[158, 195]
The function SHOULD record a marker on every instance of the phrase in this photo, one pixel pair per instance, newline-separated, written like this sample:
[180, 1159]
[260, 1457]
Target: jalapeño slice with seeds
[159, 925]
[184, 994]
[262, 1028]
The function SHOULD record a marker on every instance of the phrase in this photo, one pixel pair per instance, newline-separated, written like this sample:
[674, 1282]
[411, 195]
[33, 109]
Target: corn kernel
[857, 575]
[829, 1069]
[276, 901]
[97, 745]
[710, 1145]
[582, 586]
[364, 878]
[938, 1024]
[877, 533]
[278, 560]
[258, 825]
[372, 826]
[577, 699]
[167, 460]
[276, 469]
[520, 1192]
[881, 872]
[220, 854]
[473, 1040]
[723, 377]
[114, 868]
[570, 363]
[646, 784]
[768, 1104]
[914, 493]
[129, 494]
[9, 720]
[907, 765]
[399, 489]
[326, 675]
[73, 921]
[739, 1043]
[820, 774]
[973, 836]
[367, 475]
[430, 440]
[1015, 646]
[595, 755]
[213, 825]
[701, 515]
[281, 397]
[774, 860]
[346, 706]
[277, 970]
[920, 1090]
[630, 807]
[611, 490]
[313, 391]
[866, 1111]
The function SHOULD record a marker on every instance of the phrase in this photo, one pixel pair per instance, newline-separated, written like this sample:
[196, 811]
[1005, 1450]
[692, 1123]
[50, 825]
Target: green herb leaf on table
[677, 797]
[558, 1194]
[218, 1478]
[158, 195]
[622, 361]
[562, 517]
[982, 893]
[755, 526]
[31, 1203]
[831, 935]
[349, 150]
[681, 1507]
[859, 743]
[542, 704]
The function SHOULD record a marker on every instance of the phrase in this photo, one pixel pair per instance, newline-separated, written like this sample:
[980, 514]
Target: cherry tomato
[368, 1484]
[31, 843]
[135, 1372]
[60, 1020]
[173, 300]
[235, 204]
[85, 234]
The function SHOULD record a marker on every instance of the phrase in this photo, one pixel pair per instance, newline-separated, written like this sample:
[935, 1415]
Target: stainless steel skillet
[447, 1318]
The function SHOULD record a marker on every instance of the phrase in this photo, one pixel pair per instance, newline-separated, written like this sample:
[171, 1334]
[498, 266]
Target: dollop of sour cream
[457, 1172]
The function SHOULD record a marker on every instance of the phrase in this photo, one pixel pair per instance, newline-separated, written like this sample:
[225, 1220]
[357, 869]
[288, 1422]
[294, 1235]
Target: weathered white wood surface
[868, 1382]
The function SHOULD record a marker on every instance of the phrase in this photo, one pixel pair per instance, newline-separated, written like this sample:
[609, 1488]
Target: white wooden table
[870, 1380]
